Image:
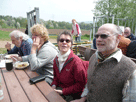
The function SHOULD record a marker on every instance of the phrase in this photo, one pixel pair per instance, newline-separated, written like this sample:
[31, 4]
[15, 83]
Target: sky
[57, 10]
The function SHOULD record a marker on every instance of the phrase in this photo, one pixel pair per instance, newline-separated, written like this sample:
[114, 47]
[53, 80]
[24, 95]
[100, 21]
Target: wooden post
[30, 19]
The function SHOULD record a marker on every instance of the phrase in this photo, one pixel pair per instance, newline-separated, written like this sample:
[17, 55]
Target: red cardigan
[72, 77]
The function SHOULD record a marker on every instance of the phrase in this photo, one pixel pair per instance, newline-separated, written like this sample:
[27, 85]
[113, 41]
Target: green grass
[83, 37]
[3, 50]
[4, 35]
[53, 36]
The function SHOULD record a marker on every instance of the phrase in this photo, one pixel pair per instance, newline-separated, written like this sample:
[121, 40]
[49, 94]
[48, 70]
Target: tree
[111, 7]
[125, 9]
[3, 24]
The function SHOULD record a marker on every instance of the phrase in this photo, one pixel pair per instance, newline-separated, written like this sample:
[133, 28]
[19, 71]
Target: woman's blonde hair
[74, 20]
[40, 30]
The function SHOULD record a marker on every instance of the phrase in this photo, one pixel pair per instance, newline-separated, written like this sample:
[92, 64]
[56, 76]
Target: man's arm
[14, 50]
[83, 95]
[26, 48]
[129, 90]
[79, 100]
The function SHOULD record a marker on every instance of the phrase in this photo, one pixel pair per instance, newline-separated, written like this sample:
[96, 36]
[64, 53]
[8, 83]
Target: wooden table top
[18, 89]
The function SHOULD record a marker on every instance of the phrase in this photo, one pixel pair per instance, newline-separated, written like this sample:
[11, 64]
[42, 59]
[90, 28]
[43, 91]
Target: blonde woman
[42, 53]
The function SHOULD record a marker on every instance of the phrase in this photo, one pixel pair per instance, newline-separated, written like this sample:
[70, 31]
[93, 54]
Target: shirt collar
[117, 55]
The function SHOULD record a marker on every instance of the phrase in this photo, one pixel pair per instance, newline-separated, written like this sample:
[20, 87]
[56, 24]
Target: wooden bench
[88, 52]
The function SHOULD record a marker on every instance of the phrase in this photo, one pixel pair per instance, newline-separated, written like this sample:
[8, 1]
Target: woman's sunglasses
[67, 40]
[103, 36]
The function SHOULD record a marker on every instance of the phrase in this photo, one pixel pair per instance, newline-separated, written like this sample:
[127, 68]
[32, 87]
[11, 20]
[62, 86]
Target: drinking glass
[9, 65]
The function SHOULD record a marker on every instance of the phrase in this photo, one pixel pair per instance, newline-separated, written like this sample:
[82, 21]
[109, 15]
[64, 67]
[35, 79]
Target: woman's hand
[54, 86]
[36, 43]
[59, 91]
[16, 58]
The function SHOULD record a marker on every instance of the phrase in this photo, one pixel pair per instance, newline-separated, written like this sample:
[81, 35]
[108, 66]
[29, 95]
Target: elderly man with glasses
[111, 75]
[22, 42]
[128, 34]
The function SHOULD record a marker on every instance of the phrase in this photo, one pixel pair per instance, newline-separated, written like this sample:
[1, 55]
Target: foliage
[125, 10]
[20, 22]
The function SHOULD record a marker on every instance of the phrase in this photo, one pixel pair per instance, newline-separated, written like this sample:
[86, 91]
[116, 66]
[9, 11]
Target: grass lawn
[4, 36]
[3, 50]
[83, 37]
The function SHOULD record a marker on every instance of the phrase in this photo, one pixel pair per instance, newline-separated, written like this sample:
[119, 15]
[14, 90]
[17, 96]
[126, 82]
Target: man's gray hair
[117, 30]
[17, 34]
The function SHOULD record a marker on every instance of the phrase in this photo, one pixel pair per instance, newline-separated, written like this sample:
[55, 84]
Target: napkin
[2, 64]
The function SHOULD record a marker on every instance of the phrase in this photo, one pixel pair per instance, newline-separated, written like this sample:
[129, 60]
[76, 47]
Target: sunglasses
[103, 36]
[126, 32]
[67, 40]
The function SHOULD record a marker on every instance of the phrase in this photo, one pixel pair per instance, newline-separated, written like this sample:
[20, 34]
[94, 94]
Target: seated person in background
[128, 34]
[94, 43]
[127, 46]
[70, 74]
[22, 43]
[124, 42]
[42, 54]
[131, 49]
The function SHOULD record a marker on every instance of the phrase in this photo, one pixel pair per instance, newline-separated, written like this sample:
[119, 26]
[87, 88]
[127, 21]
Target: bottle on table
[1, 89]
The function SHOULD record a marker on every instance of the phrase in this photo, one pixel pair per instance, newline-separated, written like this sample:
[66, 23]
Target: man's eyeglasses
[126, 32]
[67, 40]
[103, 36]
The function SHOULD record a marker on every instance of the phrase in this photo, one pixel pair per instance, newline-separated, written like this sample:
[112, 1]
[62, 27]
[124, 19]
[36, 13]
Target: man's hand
[16, 58]
[8, 46]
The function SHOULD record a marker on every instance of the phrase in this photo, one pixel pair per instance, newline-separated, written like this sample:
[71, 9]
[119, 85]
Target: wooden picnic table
[18, 89]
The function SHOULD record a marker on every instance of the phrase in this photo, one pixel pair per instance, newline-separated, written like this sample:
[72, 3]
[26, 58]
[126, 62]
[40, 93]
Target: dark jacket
[24, 50]
[94, 43]
[131, 50]
[132, 37]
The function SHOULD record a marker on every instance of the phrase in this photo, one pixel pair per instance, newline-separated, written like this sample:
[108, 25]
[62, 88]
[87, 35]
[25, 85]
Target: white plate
[9, 55]
[21, 65]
